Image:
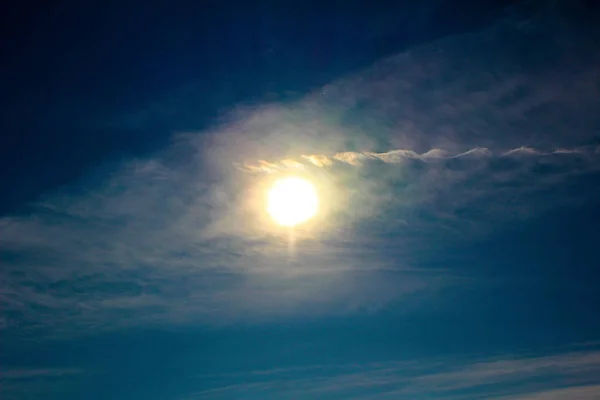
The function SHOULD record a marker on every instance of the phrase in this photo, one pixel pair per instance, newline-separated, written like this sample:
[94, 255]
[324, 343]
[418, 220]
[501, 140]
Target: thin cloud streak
[20, 383]
[28, 373]
[506, 377]
[587, 392]
[401, 155]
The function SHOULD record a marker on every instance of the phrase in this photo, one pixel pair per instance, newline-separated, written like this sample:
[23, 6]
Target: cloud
[28, 373]
[587, 392]
[20, 383]
[505, 377]
[153, 246]
[180, 237]
[399, 156]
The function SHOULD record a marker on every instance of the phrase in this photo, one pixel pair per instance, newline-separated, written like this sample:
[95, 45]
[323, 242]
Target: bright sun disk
[292, 200]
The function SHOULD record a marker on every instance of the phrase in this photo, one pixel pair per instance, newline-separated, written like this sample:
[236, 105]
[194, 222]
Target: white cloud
[399, 156]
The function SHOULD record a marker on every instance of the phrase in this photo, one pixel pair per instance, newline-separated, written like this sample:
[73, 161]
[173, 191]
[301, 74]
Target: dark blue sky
[79, 78]
[455, 146]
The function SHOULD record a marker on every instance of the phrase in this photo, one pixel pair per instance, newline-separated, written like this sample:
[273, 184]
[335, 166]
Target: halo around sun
[292, 201]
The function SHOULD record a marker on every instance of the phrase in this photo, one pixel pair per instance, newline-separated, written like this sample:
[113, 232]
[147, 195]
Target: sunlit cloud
[441, 141]
[401, 155]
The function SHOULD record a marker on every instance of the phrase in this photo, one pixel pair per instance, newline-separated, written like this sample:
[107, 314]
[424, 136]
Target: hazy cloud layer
[495, 127]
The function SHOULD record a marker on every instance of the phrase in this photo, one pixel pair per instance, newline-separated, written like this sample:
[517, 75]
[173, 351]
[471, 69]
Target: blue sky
[456, 151]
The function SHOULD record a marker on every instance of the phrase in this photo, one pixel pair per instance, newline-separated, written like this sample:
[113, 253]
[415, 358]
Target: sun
[292, 201]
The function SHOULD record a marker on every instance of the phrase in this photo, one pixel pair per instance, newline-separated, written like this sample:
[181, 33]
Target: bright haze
[300, 200]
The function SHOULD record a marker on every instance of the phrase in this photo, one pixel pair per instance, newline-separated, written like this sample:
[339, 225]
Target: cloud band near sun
[400, 155]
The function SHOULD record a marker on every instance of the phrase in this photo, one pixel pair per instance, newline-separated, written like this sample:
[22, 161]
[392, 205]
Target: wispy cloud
[399, 156]
[29, 373]
[181, 236]
[19, 383]
[505, 377]
[586, 392]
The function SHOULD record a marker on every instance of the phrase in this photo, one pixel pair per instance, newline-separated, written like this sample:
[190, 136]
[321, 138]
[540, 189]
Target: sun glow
[292, 201]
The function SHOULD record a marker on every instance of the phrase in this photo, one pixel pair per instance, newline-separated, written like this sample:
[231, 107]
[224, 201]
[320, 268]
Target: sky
[455, 147]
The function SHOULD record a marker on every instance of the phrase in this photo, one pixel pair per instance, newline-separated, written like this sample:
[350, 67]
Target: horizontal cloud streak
[21, 383]
[401, 155]
[505, 377]
[587, 392]
[10, 374]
